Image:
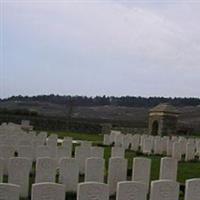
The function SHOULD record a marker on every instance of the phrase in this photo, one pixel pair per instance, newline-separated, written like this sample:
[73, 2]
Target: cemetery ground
[186, 170]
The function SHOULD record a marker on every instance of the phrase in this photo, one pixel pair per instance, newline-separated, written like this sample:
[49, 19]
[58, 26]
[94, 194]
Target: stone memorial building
[163, 120]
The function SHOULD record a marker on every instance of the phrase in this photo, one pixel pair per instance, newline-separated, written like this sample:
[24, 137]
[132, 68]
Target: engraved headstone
[117, 152]
[131, 190]
[141, 171]
[1, 169]
[18, 173]
[26, 152]
[135, 142]
[190, 152]
[117, 172]
[81, 154]
[48, 191]
[168, 169]
[94, 170]
[176, 152]
[6, 152]
[164, 190]
[97, 152]
[192, 190]
[9, 191]
[69, 174]
[43, 151]
[45, 170]
[93, 191]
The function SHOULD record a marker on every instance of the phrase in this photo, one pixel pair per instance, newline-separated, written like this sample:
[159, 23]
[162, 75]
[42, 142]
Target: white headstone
[69, 174]
[43, 151]
[26, 152]
[9, 191]
[1, 169]
[48, 191]
[18, 173]
[67, 143]
[45, 170]
[119, 138]
[190, 152]
[158, 146]
[148, 145]
[135, 142]
[192, 189]
[97, 152]
[168, 169]
[106, 139]
[81, 154]
[6, 152]
[164, 190]
[117, 152]
[131, 190]
[62, 152]
[92, 191]
[141, 171]
[176, 152]
[86, 143]
[94, 170]
[117, 172]
[169, 147]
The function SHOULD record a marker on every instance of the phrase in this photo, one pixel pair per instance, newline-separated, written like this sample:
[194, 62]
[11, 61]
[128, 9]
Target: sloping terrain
[190, 115]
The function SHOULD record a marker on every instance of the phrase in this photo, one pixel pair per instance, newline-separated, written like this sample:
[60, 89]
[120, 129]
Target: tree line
[129, 101]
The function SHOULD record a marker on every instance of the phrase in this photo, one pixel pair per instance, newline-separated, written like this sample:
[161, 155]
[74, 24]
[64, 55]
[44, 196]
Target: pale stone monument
[97, 152]
[168, 169]
[117, 152]
[81, 154]
[1, 169]
[45, 170]
[135, 142]
[192, 189]
[190, 152]
[117, 172]
[6, 152]
[163, 120]
[9, 191]
[164, 190]
[92, 191]
[129, 190]
[176, 151]
[48, 191]
[69, 174]
[18, 173]
[141, 171]
[94, 170]
[26, 151]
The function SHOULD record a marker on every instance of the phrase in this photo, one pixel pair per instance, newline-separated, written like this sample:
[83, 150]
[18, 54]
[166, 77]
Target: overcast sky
[89, 47]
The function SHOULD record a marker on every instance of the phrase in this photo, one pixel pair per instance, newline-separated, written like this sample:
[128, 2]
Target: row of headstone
[173, 146]
[126, 190]
[19, 170]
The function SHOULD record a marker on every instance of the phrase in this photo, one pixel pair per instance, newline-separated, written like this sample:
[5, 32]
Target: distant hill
[116, 109]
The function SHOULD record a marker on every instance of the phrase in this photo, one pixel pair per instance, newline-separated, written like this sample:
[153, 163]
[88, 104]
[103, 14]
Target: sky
[100, 47]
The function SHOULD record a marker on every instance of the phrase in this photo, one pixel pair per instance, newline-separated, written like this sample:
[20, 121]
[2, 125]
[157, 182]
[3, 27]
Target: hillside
[190, 115]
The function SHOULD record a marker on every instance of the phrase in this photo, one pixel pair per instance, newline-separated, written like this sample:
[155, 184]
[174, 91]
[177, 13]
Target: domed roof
[165, 107]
